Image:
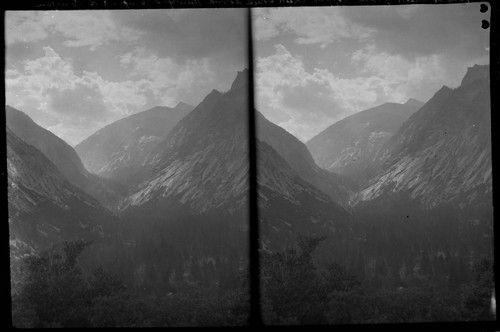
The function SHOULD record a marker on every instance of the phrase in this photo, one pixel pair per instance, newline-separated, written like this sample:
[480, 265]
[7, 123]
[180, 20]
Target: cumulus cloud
[50, 91]
[306, 102]
[75, 71]
[279, 77]
[328, 63]
[71, 104]
[417, 77]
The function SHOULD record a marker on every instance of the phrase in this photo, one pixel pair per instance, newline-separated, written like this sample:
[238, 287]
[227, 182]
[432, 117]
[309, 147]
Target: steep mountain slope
[120, 149]
[290, 206]
[58, 151]
[44, 207]
[348, 147]
[62, 156]
[202, 166]
[300, 160]
[442, 154]
[200, 163]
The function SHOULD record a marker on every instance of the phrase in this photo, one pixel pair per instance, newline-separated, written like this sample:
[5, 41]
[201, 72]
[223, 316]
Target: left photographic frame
[127, 163]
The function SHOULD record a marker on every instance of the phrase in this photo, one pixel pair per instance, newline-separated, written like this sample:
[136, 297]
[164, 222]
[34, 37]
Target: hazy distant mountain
[44, 207]
[442, 154]
[348, 147]
[202, 166]
[62, 156]
[119, 150]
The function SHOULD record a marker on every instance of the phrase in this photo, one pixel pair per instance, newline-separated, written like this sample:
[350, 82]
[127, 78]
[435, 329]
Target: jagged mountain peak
[202, 166]
[213, 95]
[474, 73]
[443, 92]
[241, 79]
[442, 153]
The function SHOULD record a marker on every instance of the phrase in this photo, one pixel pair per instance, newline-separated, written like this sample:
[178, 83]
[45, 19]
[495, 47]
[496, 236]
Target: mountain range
[349, 146]
[118, 150]
[298, 157]
[202, 165]
[177, 178]
[442, 153]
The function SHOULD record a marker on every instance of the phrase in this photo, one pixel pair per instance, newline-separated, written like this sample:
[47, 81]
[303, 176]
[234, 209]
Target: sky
[317, 65]
[74, 72]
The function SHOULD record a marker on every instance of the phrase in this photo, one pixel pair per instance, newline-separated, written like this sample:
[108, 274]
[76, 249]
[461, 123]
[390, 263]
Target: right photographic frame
[374, 164]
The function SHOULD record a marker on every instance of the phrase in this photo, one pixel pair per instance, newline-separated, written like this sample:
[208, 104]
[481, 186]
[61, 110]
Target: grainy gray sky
[75, 71]
[316, 66]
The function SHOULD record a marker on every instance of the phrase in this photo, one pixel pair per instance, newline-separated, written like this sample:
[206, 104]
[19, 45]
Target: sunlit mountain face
[197, 171]
[442, 154]
[202, 167]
